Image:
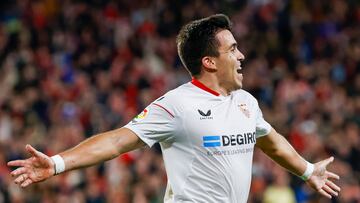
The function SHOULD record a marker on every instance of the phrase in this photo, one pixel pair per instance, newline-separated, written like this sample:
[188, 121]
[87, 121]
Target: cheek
[231, 56]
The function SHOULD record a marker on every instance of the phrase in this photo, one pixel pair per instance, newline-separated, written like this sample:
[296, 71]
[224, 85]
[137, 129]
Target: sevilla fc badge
[244, 109]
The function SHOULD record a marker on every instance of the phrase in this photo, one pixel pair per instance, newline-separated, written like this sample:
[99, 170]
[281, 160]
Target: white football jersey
[207, 141]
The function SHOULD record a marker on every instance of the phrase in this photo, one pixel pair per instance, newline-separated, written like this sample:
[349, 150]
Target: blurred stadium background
[73, 68]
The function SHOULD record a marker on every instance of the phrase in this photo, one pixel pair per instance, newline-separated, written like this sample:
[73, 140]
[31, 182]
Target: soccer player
[207, 129]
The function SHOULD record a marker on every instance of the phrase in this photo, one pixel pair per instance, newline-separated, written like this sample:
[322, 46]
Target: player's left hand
[320, 179]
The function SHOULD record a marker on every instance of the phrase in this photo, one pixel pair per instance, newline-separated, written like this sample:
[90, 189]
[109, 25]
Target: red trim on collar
[200, 85]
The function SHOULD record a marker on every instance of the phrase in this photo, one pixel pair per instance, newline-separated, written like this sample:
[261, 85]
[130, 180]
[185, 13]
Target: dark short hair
[197, 39]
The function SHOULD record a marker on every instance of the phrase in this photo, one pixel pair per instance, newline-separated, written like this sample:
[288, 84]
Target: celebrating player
[207, 129]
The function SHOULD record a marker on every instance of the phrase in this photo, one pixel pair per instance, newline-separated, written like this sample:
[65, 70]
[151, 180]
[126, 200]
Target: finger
[332, 175]
[333, 185]
[328, 161]
[32, 150]
[26, 183]
[20, 179]
[330, 191]
[323, 193]
[18, 171]
[17, 163]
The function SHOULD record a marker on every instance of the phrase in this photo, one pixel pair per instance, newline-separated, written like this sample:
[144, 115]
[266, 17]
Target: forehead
[225, 38]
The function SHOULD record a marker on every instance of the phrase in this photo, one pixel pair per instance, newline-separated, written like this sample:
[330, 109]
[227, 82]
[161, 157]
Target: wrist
[59, 164]
[308, 171]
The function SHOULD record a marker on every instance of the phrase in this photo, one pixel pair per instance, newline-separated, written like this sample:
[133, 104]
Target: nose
[240, 56]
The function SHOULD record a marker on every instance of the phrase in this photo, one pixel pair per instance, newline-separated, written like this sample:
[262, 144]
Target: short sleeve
[156, 123]
[262, 127]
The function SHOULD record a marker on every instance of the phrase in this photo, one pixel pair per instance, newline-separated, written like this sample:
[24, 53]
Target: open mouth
[238, 70]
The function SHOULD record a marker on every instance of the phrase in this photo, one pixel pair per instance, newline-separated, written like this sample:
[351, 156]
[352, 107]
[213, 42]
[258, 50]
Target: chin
[237, 83]
[237, 87]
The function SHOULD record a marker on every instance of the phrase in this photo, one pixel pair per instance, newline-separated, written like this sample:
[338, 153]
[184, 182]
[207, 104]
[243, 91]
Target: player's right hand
[37, 168]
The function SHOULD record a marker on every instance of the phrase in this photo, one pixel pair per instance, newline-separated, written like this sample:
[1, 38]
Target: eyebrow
[234, 45]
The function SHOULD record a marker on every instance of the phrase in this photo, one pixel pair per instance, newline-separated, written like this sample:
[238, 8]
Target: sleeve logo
[141, 115]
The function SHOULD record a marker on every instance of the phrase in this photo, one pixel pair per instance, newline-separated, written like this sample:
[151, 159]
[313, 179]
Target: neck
[212, 82]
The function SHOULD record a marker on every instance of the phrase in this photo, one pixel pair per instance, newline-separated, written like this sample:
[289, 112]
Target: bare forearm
[99, 148]
[280, 150]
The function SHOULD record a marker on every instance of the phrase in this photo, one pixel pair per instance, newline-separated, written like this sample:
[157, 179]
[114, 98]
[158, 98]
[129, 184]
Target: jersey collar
[200, 85]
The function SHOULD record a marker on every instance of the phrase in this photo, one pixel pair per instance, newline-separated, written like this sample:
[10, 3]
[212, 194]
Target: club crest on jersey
[141, 115]
[206, 115]
[244, 109]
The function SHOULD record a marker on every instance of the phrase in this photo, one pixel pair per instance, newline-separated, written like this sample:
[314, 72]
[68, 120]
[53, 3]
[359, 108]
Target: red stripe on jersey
[200, 85]
[164, 109]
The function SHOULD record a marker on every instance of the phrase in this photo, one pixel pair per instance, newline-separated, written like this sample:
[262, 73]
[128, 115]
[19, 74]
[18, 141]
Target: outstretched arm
[280, 150]
[96, 149]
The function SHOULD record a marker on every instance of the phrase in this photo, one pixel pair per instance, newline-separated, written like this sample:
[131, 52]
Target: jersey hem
[147, 142]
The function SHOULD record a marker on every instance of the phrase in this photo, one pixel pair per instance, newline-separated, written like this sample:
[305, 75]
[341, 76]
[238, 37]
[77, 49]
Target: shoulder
[174, 96]
[245, 95]
[174, 99]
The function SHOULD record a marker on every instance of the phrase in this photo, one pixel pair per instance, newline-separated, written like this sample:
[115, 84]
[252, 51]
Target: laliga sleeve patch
[141, 116]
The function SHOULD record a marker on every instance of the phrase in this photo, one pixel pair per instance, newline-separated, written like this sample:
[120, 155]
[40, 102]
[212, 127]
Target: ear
[209, 64]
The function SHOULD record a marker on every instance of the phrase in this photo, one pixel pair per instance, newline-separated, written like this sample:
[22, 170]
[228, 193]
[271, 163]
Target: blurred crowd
[73, 68]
